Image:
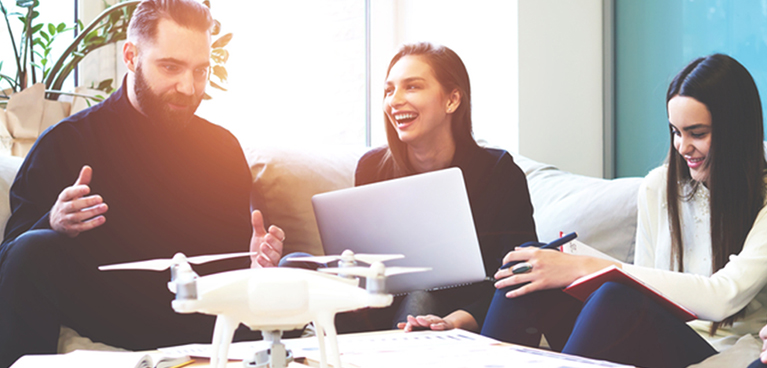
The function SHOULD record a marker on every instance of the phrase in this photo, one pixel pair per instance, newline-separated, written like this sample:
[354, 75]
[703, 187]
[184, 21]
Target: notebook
[426, 217]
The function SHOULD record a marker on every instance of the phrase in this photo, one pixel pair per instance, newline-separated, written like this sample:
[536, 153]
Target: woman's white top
[713, 297]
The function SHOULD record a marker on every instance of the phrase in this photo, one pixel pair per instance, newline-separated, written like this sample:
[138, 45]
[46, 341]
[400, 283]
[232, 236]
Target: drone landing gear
[275, 357]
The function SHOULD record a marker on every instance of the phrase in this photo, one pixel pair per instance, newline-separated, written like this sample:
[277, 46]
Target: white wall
[560, 83]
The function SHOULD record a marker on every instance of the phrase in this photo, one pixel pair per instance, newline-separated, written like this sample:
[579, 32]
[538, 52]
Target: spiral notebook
[426, 217]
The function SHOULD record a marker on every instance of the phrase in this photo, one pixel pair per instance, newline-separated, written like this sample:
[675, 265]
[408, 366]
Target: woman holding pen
[701, 241]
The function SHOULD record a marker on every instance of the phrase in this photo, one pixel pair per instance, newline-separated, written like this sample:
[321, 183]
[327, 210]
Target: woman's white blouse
[713, 297]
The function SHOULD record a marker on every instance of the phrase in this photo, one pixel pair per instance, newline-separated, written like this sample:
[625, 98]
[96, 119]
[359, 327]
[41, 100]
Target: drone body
[273, 300]
[276, 299]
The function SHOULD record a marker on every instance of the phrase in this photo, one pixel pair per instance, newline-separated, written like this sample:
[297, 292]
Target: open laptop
[426, 217]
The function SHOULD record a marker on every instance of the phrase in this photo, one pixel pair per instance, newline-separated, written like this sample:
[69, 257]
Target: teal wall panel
[654, 39]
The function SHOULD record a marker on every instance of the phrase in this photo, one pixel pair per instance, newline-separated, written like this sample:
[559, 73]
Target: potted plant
[33, 57]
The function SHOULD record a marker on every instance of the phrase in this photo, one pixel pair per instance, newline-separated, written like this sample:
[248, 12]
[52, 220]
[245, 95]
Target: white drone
[274, 300]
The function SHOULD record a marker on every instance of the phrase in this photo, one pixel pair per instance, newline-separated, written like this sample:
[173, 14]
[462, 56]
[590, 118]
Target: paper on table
[89, 358]
[453, 348]
[357, 343]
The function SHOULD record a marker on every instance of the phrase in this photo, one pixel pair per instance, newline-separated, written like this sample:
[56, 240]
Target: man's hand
[267, 244]
[73, 212]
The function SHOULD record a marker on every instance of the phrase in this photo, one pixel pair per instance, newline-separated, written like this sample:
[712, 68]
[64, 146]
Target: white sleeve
[724, 293]
[647, 219]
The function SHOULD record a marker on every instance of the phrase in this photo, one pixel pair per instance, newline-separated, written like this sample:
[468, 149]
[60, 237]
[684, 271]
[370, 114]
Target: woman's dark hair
[735, 160]
[451, 74]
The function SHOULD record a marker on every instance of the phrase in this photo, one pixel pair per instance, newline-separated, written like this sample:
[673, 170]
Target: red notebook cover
[584, 286]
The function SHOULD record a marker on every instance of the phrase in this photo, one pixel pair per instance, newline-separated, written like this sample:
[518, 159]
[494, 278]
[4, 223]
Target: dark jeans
[48, 280]
[616, 323]
[757, 364]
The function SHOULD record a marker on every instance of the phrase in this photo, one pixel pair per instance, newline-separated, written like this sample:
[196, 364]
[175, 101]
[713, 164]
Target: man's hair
[186, 13]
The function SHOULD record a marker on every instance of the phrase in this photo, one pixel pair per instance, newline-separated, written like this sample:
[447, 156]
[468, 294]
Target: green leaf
[51, 29]
[90, 35]
[44, 62]
[80, 25]
[61, 27]
[105, 85]
[214, 85]
[219, 56]
[35, 14]
[78, 54]
[220, 72]
[45, 36]
[96, 40]
[221, 42]
[37, 27]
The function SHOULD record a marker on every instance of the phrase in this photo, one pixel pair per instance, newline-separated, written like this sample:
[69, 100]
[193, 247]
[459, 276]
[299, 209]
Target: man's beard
[156, 106]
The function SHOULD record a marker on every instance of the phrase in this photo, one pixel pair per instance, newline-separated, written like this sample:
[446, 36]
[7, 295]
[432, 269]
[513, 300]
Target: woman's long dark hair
[735, 160]
[451, 75]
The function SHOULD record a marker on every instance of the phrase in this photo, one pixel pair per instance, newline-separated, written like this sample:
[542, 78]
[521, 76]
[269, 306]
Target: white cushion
[284, 181]
[602, 212]
[9, 165]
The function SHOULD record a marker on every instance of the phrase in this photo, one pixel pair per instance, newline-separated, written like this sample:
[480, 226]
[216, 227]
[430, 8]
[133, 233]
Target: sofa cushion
[284, 181]
[602, 212]
[9, 165]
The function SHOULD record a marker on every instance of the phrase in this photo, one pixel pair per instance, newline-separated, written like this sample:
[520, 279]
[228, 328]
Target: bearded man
[138, 176]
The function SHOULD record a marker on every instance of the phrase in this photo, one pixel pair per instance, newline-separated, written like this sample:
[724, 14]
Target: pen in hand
[553, 245]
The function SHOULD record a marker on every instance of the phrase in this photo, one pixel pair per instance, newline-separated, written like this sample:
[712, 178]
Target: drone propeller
[349, 256]
[179, 258]
[373, 271]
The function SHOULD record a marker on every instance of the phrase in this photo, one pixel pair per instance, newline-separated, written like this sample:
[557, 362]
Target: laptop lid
[426, 217]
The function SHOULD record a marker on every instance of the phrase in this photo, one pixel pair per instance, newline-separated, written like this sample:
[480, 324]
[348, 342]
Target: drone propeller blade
[149, 265]
[315, 259]
[390, 271]
[371, 272]
[370, 258]
[217, 257]
[366, 258]
[352, 271]
[165, 263]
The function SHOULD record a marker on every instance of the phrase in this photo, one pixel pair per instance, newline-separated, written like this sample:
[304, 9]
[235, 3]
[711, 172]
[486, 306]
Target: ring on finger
[521, 268]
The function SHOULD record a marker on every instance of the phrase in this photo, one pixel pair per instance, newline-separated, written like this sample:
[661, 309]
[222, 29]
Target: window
[296, 72]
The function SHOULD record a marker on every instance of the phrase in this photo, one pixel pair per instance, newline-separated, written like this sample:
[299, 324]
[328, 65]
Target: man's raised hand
[75, 210]
[268, 244]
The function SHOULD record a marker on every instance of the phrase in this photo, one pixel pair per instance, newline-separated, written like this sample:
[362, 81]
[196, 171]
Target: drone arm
[320, 330]
[326, 321]
[222, 337]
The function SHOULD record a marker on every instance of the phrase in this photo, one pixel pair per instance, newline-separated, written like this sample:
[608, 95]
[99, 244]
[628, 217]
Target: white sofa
[603, 212]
